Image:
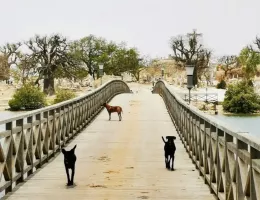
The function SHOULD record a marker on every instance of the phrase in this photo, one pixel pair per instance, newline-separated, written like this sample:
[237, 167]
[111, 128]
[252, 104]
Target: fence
[206, 97]
[31, 139]
[229, 161]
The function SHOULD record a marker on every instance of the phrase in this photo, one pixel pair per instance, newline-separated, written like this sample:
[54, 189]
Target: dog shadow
[113, 120]
[70, 186]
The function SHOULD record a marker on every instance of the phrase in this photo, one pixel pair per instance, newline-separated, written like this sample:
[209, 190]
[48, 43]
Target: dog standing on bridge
[169, 151]
[69, 162]
[111, 109]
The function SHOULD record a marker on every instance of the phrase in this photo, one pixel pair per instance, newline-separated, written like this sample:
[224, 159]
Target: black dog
[69, 162]
[169, 151]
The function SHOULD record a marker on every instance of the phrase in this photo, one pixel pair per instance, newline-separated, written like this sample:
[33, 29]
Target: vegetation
[241, 98]
[27, 97]
[4, 68]
[51, 57]
[63, 95]
[189, 51]
[222, 84]
[249, 59]
[227, 64]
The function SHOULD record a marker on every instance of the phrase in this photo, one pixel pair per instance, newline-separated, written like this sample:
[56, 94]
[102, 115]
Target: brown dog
[111, 109]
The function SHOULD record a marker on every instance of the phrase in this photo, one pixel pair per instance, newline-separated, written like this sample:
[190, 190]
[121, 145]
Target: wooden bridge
[125, 160]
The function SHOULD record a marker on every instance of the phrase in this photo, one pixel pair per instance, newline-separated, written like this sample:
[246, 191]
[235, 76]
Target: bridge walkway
[121, 160]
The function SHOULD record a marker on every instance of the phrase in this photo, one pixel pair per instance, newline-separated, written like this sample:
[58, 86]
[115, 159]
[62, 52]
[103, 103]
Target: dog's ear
[73, 149]
[163, 139]
[63, 151]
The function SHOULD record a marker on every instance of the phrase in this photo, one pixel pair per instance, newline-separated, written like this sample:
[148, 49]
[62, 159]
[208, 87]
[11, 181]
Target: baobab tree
[189, 51]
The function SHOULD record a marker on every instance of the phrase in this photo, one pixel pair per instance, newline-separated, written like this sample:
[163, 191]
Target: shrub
[63, 95]
[222, 84]
[241, 98]
[28, 97]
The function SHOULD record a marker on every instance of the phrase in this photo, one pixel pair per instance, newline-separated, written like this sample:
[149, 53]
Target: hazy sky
[227, 25]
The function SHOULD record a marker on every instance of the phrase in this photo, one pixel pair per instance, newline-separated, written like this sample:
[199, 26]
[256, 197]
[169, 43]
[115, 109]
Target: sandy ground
[7, 91]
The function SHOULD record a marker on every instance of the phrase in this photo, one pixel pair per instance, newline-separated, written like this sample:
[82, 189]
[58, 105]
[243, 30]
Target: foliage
[222, 84]
[116, 59]
[28, 97]
[63, 95]
[249, 59]
[50, 53]
[228, 63]
[51, 57]
[79, 73]
[89, 50]
[11, 52]
[4, 68]
[188, 51]
[241, 98]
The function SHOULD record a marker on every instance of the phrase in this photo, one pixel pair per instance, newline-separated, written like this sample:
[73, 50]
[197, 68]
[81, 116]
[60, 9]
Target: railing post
[20, 154]
[228, 176]
[254, 154]
[9, 160]
[47, 135]
[39, 146]
[58, 124]
[30, 146]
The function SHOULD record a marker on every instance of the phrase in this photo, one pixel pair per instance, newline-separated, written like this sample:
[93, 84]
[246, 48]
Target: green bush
[63, 95]
[27, 97]
[241, 98]
[222, 84]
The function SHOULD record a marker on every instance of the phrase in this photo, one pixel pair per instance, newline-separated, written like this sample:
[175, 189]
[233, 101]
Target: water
[243, 123]
[8, 114]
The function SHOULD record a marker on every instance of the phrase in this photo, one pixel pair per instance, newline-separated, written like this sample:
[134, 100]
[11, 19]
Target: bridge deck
[121, 160]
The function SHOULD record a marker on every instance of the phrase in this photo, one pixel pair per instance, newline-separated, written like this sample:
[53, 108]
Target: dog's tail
[163, 139]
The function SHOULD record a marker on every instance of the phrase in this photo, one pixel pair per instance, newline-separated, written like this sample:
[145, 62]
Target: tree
[188, 51]
[228, 63]
[51, 53]
[249, 59]
[111, 58]
[26, 68]
[89, 50]
[241, 98]
[4, 68]
[134, 64]
[11, 52]
[122, 59]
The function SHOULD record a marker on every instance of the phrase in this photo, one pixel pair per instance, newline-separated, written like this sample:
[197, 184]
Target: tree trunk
[93, 75]
[48, 86]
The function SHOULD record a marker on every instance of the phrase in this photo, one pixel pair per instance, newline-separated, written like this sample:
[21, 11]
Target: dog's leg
[166, 162]
[109, 116]
[119, 116]
[72, 175]
[173, 163]
[68, 177]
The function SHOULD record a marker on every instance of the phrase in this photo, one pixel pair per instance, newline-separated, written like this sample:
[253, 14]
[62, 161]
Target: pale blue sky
[227, 25]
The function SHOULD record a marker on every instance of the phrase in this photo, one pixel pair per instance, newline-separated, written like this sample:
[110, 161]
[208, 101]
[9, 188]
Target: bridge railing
[31, 139]
[228, 160]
